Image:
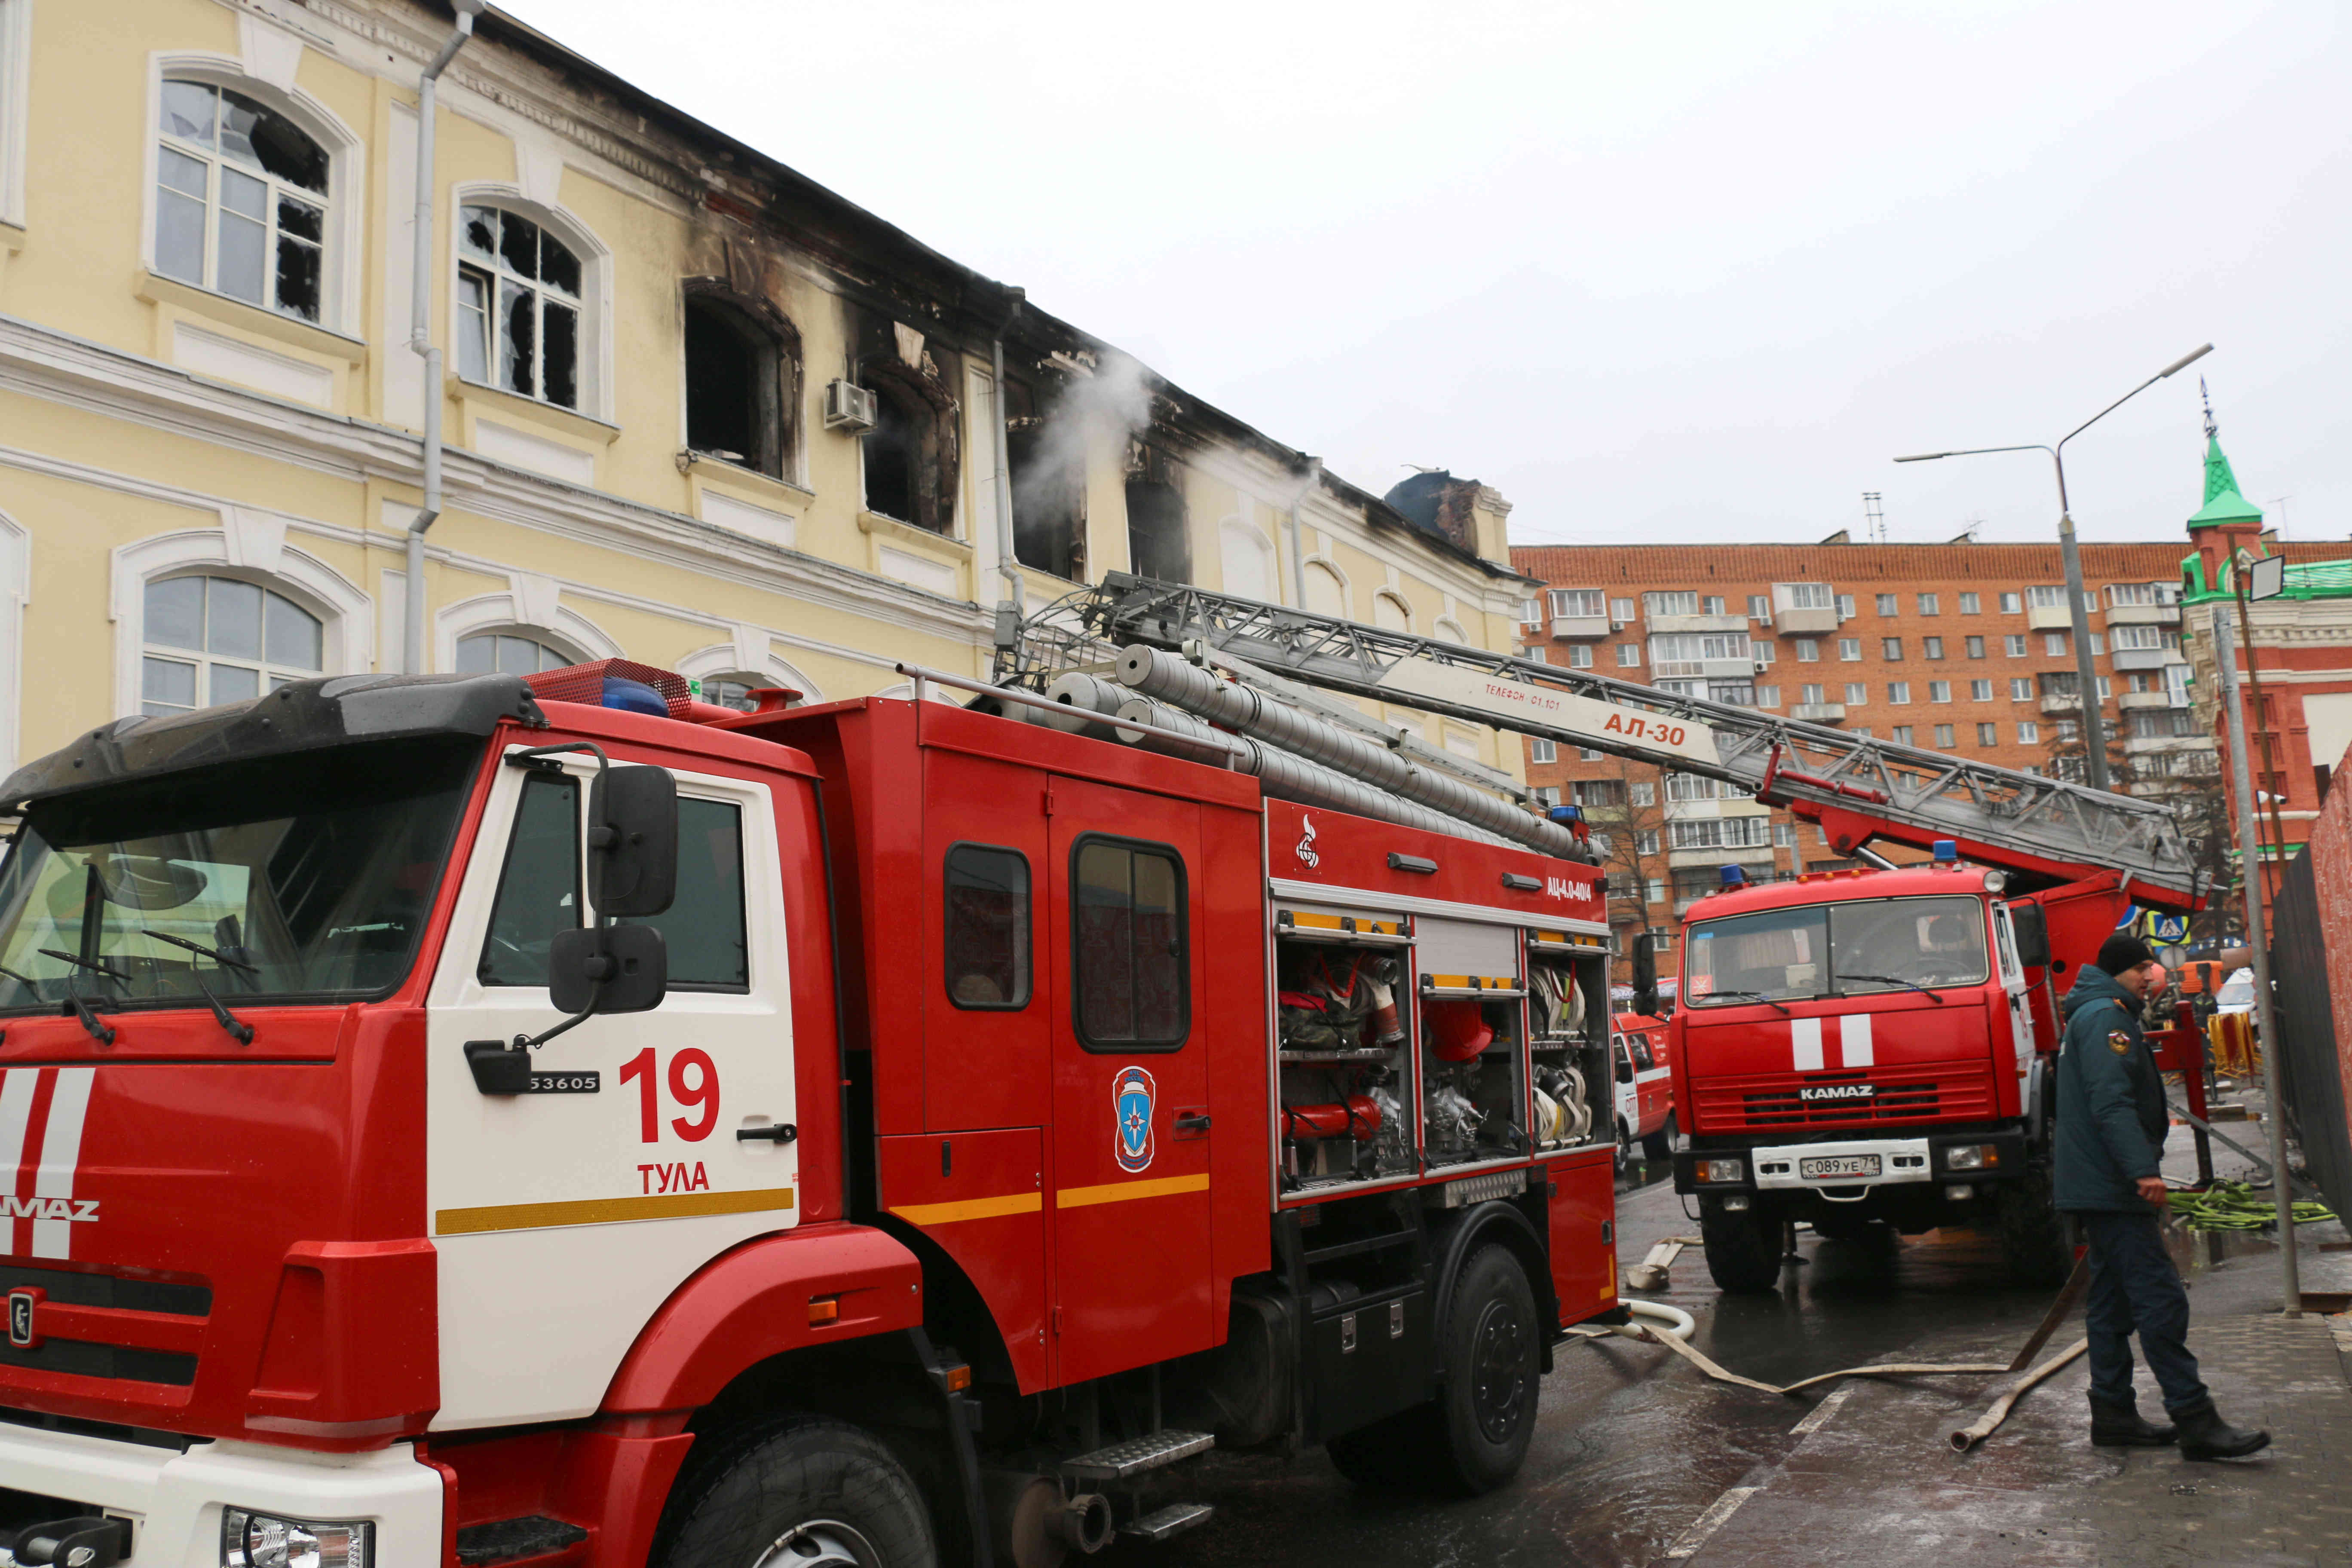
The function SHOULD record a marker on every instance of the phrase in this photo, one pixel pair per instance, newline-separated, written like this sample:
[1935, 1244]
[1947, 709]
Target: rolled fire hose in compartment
[1168, 679]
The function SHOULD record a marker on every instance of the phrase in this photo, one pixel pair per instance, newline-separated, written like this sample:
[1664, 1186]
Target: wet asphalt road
[1632, 1444]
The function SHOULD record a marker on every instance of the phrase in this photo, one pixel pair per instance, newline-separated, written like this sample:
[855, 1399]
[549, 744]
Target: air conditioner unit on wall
[848, 408]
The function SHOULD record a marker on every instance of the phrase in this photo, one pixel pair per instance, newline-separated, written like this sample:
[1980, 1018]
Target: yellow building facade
[698, 412]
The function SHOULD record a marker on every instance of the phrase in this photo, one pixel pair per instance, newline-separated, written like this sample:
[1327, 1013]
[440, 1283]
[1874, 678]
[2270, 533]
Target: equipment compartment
[1343, 1049]
[1473, 1042]
[1568, 1038]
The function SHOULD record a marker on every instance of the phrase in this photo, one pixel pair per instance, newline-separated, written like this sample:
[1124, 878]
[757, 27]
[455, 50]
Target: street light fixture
[2094, 738]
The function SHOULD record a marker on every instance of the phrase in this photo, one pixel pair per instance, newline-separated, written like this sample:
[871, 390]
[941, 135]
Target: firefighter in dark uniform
[2109, 1157]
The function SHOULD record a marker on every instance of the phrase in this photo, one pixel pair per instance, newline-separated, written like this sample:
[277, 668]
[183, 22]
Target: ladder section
[1915, 796]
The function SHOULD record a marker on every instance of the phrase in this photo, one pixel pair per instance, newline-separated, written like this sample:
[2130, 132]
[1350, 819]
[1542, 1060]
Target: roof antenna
[2211, 429]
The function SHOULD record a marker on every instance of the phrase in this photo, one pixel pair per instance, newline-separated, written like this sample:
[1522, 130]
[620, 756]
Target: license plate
[1838, 1165]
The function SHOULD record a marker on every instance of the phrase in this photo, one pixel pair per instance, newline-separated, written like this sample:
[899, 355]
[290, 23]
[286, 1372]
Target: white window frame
[16, 98]
[1857, 694]
[595, 367]
[1586, 601]
[564, 628]
[1980, 690]
[250, 547]
[1939, 691]
[1809, 650]
[1620, 609]
[342, 269]
[1971, 605]
[2028, 732]
[2021, 688]
[2012, 645]
[1629, 656]
[1580, 656]
[1542, 750]
[1898, 693]
[1670, 602]
[1854, 657]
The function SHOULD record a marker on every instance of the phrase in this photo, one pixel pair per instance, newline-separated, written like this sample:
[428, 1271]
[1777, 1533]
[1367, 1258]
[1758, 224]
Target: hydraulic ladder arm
[1857, 787]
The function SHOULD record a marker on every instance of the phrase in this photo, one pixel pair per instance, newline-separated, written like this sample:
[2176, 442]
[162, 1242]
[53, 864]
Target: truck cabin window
[1129, 975]
[303, 878]
[703, 927]
[1859, 949]
[987, 927]
[540, 892]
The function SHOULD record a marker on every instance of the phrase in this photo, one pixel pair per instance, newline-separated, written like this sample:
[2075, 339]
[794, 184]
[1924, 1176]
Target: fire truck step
[511, 1540]
[1137, 1454]
[1174, 1520]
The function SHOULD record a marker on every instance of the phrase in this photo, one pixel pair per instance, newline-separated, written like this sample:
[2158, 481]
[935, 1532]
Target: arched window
[892, 456]
[519, 297]
[911, 453]
[734, 689]
[241, 198]
[210, 640]
[742, 382]
[1326, 595]
[1390, 613]
[1248, 561]
[1448, 629]
[508, 653]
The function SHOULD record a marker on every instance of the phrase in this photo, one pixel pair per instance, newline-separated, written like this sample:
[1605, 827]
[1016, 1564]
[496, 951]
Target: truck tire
[1660, 1145]
[799, 1493]
[2033, 1232]
[1743, 1248]
[1474, 1435]
[1624, 1148]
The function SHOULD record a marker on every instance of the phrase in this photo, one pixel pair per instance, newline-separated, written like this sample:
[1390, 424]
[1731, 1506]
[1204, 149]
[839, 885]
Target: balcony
[2048, 618]
[1819, 713]
[2142, 615]
[1664, 623]
[2150, 745]
[1788, 623]
[1684, 860]
[2129, 701]
[1580, 628]
[2061, 703]
[2144, 658]
[1702, 669]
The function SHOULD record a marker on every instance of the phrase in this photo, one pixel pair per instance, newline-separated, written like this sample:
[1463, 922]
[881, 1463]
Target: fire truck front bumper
[1968, 1164]
[200, 1508]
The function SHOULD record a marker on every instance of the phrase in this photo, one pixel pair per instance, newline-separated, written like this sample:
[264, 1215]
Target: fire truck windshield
[286, 879]
[1835, 950]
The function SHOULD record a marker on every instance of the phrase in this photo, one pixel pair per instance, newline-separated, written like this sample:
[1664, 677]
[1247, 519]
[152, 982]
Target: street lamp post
[2094, 738]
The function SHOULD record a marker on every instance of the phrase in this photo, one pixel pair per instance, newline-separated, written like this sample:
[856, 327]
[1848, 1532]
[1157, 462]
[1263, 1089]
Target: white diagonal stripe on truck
[1853, 1039]
[16, 1087]
[61, 1157]
[1805, 1043]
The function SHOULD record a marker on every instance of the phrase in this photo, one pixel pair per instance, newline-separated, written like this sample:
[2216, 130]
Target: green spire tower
[2223, 503]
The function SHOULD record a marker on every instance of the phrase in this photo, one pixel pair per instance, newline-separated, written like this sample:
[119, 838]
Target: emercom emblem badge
[1131, 1096]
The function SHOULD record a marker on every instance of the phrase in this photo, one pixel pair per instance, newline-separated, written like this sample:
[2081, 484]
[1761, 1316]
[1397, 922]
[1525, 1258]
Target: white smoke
[1102, 408]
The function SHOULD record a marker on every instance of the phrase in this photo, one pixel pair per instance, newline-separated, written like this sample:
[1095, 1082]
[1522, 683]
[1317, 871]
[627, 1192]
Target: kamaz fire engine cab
[1876, 1046]
[443, 1120]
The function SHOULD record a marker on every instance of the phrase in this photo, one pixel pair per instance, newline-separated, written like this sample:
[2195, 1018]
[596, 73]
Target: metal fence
[2312, 1068]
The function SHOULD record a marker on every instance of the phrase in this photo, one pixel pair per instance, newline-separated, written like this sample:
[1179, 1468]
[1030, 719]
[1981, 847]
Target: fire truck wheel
[1743, 1248]
[2033, 1232]
[800, 1492]
[1660, 1145]
[1625, 1148]
[1488, 1405]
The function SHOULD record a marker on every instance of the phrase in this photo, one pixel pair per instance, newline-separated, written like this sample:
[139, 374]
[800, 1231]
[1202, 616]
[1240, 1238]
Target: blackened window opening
[891, 458]
[1048, 471]
[1158, 543]
[722, 386]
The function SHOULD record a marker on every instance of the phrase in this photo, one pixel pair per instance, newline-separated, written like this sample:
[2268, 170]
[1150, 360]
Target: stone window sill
[720, 474]
[890, 528]
[491, 400]
[253, 318]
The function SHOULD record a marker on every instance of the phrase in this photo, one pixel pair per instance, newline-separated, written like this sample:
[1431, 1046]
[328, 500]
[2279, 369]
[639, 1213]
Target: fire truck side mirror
[632, 841]
[1645, 975]
[607, 968]
[2031, 929]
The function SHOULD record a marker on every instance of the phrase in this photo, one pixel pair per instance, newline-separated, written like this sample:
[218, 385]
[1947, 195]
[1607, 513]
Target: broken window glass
[723, 394]
[266, 244]
[531, 345]
[519, 328]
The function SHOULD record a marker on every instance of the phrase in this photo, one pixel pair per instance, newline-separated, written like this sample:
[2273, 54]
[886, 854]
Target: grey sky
[1689, 272]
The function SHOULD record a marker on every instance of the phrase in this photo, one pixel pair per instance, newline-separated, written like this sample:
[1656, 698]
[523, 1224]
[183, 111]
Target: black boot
[2120, 1426]
[2205, 1436]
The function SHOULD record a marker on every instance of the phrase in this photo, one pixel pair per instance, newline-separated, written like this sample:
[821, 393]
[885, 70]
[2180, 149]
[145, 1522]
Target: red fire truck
[443, 1123]
[1876, 1046]
[1850, 1049]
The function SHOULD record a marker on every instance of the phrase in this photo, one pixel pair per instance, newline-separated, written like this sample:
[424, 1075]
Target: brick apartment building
[1960, 648]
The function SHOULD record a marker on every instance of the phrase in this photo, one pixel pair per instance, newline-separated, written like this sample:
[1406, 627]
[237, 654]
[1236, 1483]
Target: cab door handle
[1192, 1121]
[778, 1132]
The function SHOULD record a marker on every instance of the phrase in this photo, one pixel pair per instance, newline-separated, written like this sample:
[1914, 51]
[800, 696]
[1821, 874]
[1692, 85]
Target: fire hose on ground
[2232, 1205]
[1655, 1322]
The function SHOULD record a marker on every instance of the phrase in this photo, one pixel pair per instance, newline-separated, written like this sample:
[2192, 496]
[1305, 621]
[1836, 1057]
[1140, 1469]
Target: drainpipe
[1298, 550]
[420, 337]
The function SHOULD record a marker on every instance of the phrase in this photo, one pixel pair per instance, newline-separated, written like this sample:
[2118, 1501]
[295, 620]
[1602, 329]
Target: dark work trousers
[2134, 1286]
